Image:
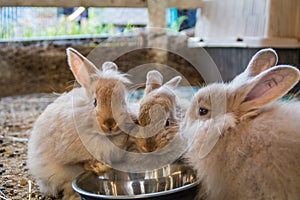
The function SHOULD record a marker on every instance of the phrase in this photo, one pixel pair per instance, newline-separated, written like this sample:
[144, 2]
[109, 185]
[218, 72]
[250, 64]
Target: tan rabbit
[159, 114]
[72, 131]
[243, 143]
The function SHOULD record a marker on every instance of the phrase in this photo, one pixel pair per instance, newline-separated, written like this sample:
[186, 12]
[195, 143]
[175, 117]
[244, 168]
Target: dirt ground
[17, 115]
[41, 66]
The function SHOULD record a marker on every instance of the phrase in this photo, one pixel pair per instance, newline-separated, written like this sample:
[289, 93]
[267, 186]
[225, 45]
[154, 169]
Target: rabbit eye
[95, 102]
[203, 111]
[168, 122]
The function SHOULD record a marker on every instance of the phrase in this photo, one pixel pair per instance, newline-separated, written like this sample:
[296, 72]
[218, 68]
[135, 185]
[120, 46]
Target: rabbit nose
[110, 124]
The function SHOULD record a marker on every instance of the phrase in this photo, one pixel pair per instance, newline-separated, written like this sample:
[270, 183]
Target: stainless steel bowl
[174, 181]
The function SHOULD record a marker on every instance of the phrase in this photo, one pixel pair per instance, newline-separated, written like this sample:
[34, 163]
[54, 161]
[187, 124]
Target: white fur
[259, 159]
[112, 74]
[65, 136]
[55, 151]
[246, 154]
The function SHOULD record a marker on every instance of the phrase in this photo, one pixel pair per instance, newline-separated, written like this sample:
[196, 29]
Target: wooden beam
[75, 3]
[157, 13]
[184, 4]
[298, 21]
[157, 36]
[99, 3]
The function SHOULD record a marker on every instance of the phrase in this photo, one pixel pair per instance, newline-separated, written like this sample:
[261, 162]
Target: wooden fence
[157, 8]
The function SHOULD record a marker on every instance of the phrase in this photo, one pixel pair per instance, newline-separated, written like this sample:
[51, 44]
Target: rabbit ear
[154, 80]
[269, 86]
[81, 67]
[261, 61]
[174, 82]
[109, 66]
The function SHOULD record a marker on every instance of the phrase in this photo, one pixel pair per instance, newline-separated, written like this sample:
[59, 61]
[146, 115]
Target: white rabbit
[243, 143]
[160, 113]
[72, 130]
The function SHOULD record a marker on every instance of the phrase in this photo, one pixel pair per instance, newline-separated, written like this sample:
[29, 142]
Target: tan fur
[161, 139]
[160, 113]
[106, 89]
[163, 101]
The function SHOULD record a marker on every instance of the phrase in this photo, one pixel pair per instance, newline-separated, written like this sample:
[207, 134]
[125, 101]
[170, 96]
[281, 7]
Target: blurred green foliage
[59, 25]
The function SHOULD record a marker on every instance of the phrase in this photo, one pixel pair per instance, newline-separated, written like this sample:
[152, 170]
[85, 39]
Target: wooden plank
[282, 22]
[99, 3]
[298, 21]
[157, 13]
[184, 4]
[75, 3]
[157, 36]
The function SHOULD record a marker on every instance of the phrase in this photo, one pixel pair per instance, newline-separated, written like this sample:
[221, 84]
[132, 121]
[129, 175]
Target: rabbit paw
[96, 166]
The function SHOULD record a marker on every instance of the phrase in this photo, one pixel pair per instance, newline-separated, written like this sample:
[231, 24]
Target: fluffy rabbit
[159, 114]
[72, 131]
[243, 143]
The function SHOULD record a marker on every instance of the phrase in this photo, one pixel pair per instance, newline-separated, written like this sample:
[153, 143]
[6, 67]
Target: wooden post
[283, 22]
[298, 21]
[157, 35]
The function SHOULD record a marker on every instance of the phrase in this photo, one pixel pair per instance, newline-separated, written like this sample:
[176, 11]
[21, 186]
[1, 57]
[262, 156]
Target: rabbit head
[158, 114]
[105, 88]
[260, 62]
[219, 108]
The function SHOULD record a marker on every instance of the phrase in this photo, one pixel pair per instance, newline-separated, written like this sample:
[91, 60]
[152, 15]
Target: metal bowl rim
[138, 196]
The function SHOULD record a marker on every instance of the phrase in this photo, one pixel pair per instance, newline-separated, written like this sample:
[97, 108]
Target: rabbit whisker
[219, 131]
